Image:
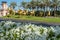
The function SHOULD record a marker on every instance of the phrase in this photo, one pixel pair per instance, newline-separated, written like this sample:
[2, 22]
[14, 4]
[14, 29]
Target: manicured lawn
[34, 18]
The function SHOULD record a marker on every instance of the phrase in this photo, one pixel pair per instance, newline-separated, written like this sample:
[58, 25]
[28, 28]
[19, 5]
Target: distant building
[4, 9]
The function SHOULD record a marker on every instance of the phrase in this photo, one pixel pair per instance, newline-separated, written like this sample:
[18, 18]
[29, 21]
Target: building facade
[4, 9]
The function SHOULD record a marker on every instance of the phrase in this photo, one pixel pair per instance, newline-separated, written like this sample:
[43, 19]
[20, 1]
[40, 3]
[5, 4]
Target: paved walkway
[29, 21]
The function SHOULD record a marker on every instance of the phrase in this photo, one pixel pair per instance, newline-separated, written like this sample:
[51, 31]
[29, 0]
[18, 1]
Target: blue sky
[17, 1]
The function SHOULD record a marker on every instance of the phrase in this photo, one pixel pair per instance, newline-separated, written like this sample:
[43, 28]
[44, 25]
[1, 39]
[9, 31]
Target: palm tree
[54, 5]
[32, 4]
[47, 3]
[23, 4]
[42, 5]
[28, 6]
[58, 4]
[13, 5]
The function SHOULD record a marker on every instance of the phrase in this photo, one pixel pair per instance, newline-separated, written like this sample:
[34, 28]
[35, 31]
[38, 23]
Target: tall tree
[47, 3]
[13, 5]
[23, 4]
[54, 5]
[59, 4]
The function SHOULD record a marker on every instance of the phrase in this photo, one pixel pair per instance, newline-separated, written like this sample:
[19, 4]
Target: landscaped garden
[30, 20]
[35, 10]
[21, 31]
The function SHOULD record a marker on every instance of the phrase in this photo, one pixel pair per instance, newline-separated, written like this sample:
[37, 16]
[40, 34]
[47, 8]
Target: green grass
[34, 18]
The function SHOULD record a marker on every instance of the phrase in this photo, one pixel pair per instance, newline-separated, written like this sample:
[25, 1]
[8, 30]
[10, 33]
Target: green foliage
[13, 4]
[42, 4]
[58, 36]
[51, 34]
[11, 12]
[23, 4]
[28, 32]
[41, 30]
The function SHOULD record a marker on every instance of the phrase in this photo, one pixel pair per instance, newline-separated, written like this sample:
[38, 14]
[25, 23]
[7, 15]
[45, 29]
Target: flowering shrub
[18, 31]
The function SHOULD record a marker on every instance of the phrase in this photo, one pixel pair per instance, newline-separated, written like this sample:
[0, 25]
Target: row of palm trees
[40, 5]
[44, 5]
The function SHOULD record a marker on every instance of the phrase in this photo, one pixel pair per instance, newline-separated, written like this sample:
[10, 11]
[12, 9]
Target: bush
[8, 16]
[18, 31]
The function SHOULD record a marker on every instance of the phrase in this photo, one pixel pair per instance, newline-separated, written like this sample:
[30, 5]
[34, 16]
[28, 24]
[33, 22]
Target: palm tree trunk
[44, 12]
[55, 11]
[49, 12]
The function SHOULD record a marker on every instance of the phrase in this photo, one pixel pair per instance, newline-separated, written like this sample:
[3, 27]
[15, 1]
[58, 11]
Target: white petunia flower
[26, 31]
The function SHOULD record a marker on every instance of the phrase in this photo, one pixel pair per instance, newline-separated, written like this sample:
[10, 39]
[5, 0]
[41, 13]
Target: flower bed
[18, 31]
